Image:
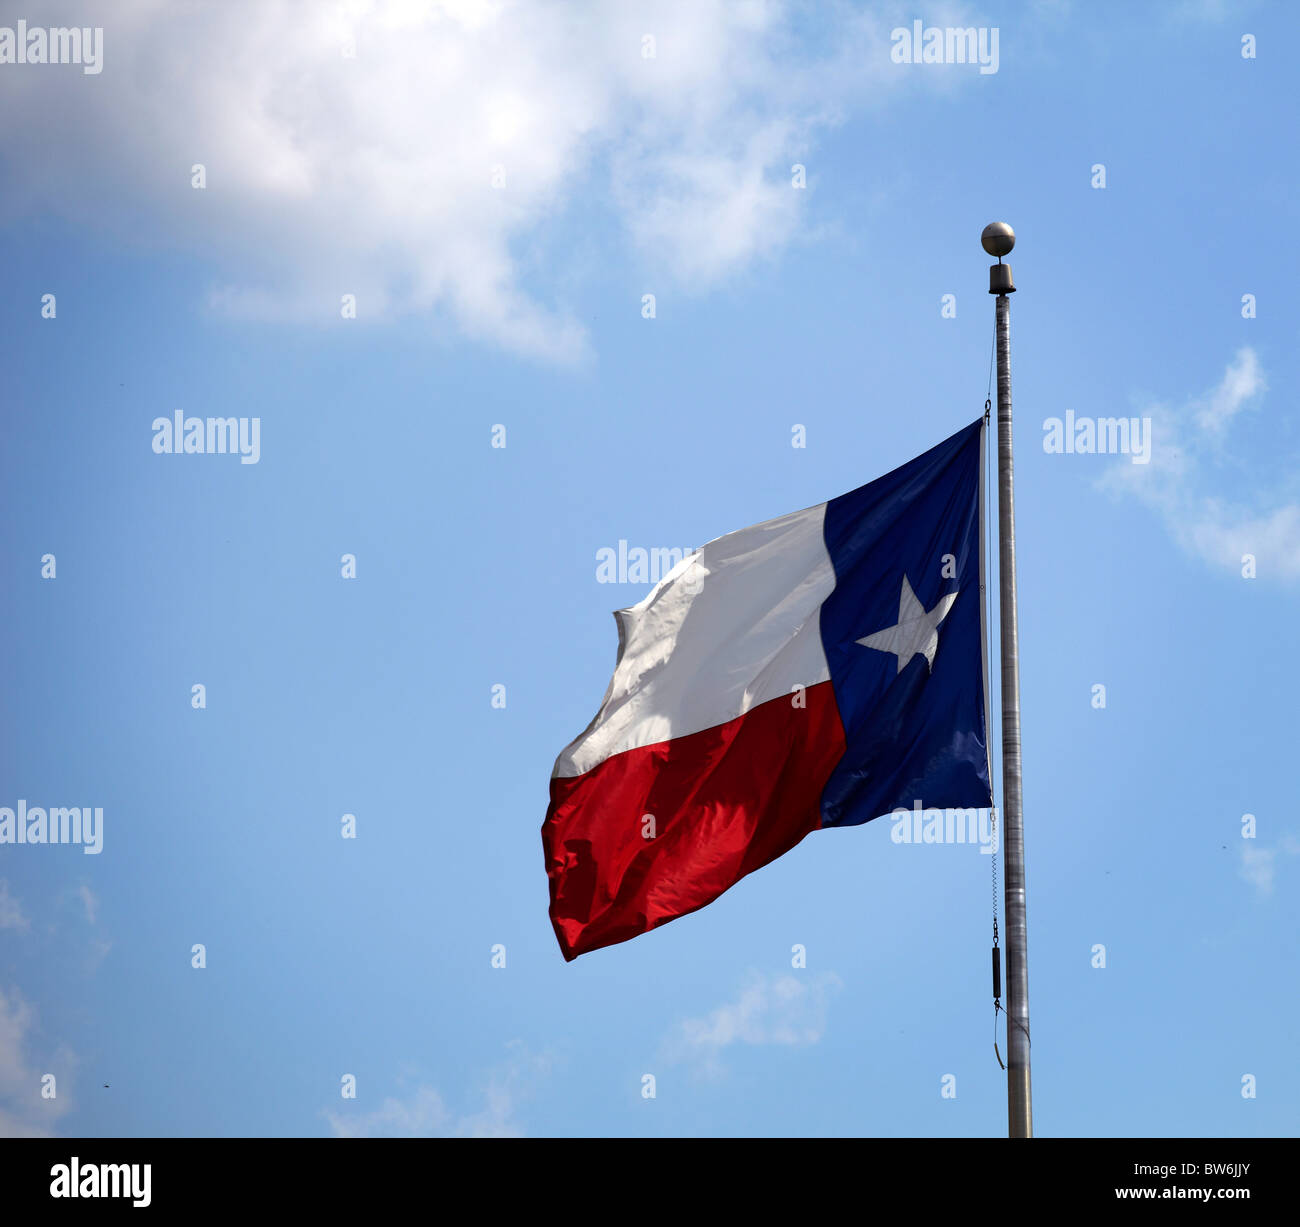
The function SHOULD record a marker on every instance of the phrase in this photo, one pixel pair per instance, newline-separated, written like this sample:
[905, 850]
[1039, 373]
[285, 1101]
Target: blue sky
[520, 304]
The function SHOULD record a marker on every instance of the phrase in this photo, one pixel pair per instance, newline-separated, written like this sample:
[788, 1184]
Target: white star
[917, 632]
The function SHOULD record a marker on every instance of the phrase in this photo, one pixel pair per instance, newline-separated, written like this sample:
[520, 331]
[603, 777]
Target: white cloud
[373, 175]
[787, 1010]
[1257, 867]
[89, 901]
[424, 1113]
[1243, 382]
[1188, 453]
[1259, 864]
[23, 1113]
[11, 912]
[421, 1114]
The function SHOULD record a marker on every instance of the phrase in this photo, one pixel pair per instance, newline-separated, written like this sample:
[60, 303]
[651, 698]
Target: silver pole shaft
[1020, 1114]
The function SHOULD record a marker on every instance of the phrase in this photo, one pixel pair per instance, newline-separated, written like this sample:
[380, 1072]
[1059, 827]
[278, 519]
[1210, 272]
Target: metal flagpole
[998, 239]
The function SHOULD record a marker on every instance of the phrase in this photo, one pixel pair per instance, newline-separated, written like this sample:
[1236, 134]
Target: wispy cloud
[1242, 383]
[11, 912]
[1189, 454]
[95, 947]
[24, 1113]
[423, 1112]
[1259, 864]
[786, 1010]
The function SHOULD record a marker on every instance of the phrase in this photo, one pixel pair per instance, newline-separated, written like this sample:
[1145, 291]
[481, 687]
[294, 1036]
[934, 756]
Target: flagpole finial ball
[998, 239]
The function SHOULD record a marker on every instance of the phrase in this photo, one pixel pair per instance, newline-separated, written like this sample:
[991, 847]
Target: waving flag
[816, 670]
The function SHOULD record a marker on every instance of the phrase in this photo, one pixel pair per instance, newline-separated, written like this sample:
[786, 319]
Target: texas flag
[816, 670]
